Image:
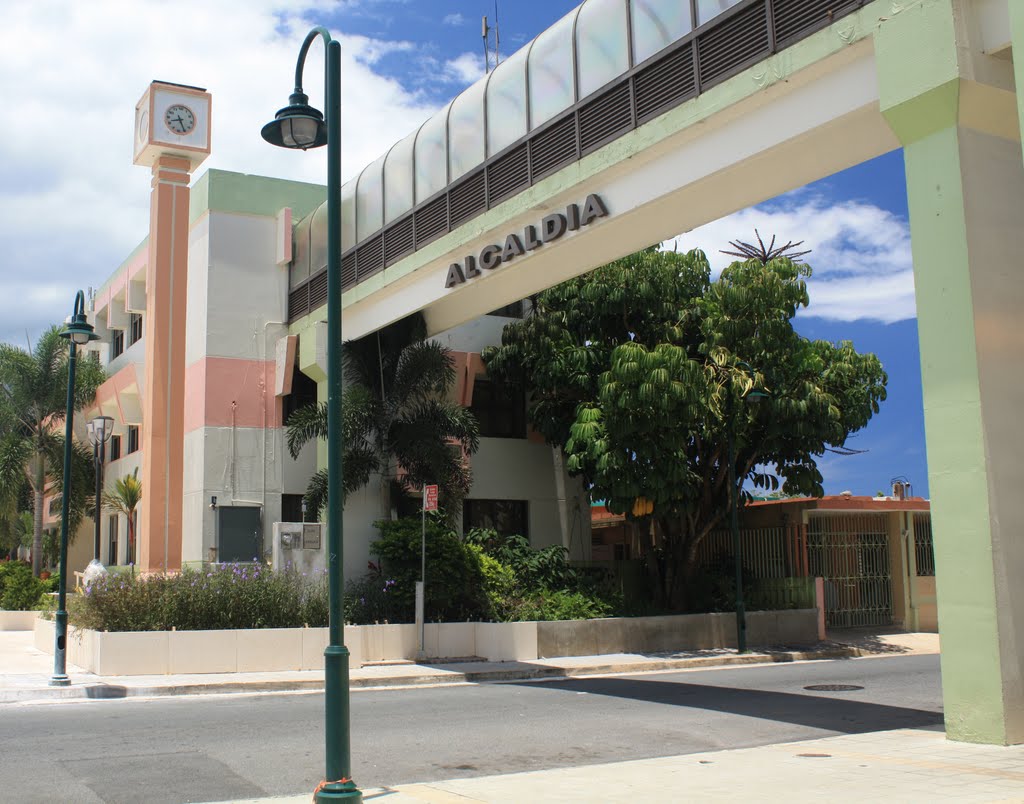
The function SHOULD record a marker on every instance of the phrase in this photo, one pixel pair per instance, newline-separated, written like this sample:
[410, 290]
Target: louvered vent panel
[553, 148]
[431, 220]
[508, 175]
[797, 18]
[318, 290]
[398, 240]
[467, 199]
[605, 118]
[298, 302]
[732, 44]
[370, 257]
[665, 83]
[348, 270]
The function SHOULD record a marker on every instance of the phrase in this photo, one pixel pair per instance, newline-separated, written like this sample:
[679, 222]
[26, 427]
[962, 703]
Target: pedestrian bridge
[630, 121]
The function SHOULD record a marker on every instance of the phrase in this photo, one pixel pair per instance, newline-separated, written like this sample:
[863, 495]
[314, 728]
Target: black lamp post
[299, 125]
[753, 396]
[100, 430]
[78, 333]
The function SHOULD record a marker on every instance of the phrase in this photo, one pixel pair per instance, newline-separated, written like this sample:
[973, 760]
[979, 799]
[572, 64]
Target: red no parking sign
[430, 498]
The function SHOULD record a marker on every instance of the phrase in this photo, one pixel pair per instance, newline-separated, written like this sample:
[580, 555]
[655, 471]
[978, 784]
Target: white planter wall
[284, 649]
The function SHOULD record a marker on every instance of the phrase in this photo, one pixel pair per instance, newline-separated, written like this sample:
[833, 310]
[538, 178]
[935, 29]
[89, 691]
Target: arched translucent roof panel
[318, 239]
[466, 131]
[551, 72]
[398, 196]
[506, 103]
[348, 215]
[431, 156]
[602, 47]
[709, 9]
[657, 24]
[370, 199]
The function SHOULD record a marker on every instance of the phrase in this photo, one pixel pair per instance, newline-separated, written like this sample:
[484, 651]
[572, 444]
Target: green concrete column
[965, 186]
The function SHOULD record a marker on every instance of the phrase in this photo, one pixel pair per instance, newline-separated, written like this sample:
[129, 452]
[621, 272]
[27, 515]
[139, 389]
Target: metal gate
[851, 552]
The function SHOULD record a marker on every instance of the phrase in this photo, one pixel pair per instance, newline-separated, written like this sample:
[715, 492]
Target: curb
[107, 691]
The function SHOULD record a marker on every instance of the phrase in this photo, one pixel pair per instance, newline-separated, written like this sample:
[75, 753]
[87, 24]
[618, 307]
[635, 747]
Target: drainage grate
[833, 687]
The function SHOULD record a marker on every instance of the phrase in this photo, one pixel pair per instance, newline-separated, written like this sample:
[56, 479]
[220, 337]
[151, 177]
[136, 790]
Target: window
[114, 450]
[291, 508]
[501, 412]
[112, 528]
[551, 71]
[657, 24]
[117, 343]
[133, 439]
[54, 508]
[370, 200]
[135, 328]
[466, 131]
[601, 45]
[708, 9]
[507, 517]
[506, 103]
[303, 393]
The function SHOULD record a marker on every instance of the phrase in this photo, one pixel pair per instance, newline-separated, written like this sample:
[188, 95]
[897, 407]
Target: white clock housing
[161, 127]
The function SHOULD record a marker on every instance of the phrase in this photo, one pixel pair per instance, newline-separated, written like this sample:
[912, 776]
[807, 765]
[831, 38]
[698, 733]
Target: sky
[72, 205]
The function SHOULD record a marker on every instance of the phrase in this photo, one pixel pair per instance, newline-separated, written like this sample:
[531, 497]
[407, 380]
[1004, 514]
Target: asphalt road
[209, 748]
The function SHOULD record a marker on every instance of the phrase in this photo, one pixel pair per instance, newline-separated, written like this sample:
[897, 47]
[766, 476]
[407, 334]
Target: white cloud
[454, 19]
[72, 205]
[466, 68]
[860, 253]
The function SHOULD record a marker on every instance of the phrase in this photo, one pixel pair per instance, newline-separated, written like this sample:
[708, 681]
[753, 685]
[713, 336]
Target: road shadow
[811, 710]
[106, 691]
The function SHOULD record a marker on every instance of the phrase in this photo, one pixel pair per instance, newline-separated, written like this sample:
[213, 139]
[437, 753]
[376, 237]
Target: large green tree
[33, 398]
[641, 370]
[398, 422]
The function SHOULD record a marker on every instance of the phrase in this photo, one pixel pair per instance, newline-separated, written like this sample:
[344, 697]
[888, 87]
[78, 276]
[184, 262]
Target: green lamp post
[753, 396]
[299, 125]
[78, 332]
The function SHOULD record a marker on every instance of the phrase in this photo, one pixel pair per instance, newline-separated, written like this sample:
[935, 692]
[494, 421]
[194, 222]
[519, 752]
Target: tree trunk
[37, 534]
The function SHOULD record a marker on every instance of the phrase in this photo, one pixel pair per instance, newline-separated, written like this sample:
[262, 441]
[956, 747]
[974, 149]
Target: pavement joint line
[106, 690]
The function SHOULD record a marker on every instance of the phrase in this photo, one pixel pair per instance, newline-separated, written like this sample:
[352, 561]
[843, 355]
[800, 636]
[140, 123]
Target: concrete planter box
[280, 649]
[18, 620]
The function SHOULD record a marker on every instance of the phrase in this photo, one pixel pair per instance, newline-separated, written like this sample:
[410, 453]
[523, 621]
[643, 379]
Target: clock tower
[172, 138]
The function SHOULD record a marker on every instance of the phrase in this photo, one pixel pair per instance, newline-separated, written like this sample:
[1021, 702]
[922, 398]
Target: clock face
[143, 128]
[179, 119]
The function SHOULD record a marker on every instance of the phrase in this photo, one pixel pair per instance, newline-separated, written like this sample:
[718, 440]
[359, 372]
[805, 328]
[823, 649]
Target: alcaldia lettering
[533, 237]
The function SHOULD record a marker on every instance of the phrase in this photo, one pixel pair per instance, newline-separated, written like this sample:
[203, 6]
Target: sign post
[429, 504]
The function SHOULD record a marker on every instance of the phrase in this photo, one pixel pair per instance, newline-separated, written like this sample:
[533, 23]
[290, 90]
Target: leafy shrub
[239, 596]
[455, 579]
[19, 589]
[545, 568]
[372, 599]
[562, 605]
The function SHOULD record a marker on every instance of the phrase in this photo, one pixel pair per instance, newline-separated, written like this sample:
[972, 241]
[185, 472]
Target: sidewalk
[907, 765]
[25, 671]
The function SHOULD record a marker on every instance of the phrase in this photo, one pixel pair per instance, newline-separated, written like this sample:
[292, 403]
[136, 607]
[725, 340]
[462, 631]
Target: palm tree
[397, 420]
[33, 396]
[124, 499]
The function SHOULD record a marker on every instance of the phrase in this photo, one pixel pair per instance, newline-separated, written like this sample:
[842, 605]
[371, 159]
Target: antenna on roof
[486, 31]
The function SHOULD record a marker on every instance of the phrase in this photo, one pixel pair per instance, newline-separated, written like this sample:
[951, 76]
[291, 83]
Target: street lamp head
[77, 328]
[100, 429]
[297, 125]
[755, 396]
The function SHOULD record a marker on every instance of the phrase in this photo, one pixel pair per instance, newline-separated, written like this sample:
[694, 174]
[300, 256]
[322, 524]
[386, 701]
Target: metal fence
[924, 553]
[851, 552]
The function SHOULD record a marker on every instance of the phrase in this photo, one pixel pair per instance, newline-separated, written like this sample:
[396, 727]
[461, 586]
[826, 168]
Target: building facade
[244, 373]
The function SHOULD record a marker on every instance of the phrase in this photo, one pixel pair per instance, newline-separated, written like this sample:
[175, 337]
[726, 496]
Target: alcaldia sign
[533, 237]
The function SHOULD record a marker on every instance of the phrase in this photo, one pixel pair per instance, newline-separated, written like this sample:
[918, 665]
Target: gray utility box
[301, 546]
